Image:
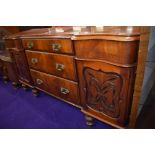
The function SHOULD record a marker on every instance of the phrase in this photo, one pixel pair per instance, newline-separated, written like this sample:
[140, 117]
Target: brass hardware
[39, 82]
[60, 67]
[34, 60]
[56, 47]
[64, 91]
[30, 45]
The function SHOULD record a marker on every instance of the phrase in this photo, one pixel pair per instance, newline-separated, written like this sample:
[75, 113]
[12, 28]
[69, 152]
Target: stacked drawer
[52, 67]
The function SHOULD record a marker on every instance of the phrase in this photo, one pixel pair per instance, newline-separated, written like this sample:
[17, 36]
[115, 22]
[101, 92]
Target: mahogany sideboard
[92, 68]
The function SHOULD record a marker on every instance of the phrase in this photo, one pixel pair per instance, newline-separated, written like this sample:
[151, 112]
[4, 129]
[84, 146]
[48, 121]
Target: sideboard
[91, 68]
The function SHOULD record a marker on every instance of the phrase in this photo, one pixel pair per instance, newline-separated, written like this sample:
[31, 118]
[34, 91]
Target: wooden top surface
[78, 33]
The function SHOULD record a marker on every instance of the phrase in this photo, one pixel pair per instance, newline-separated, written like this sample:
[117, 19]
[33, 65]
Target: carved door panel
[22, 67]
[103, 91]
[106, 90]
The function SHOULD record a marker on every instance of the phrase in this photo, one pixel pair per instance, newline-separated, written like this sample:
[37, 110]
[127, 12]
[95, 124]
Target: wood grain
[48, 63]
[15, 48]
[122, 53]
[46, 45]
[94, 92]
[53, 85]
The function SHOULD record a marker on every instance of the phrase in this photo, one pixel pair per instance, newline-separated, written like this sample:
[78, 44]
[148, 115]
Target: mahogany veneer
[65, 89]
[48, 45]
[93, 68]
[113, 51]
[57, 64]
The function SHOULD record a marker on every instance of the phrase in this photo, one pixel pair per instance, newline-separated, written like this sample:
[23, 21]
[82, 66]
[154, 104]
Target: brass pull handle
[56, 47]
[30, 45]
[34, 60]
[39, 82]
[60, 67]
[64, 91]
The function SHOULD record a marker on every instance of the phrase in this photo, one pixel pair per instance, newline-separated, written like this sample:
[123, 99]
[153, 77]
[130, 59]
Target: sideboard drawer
[55, 45]
[56, 64]
[65, 89]
[118, 52]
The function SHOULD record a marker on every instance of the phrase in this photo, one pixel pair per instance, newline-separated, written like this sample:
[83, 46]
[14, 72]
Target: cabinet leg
[25, 87]
[15, 85]
[6, 79]
[89, 120]
[35, 92]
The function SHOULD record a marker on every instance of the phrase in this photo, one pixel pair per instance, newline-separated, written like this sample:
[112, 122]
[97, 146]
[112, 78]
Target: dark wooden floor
[146, 119]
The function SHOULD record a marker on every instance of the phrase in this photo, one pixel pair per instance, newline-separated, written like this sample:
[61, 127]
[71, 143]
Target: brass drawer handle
[34, 60]
[64, 91]
[60, 67]
[56, 47]
[30, 45]
[39, 82]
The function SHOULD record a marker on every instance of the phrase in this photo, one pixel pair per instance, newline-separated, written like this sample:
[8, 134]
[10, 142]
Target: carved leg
[89, 120]
[6, 79]
[35, 92]
[15, 85]
[25, 87]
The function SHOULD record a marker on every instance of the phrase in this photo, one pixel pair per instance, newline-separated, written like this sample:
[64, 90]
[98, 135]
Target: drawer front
[56, 45]
[118, 52]
[65, 89]
[56, 64]
[106, 90]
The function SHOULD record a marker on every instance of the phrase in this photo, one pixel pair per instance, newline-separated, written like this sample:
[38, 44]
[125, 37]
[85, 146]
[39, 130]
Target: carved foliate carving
[103, 91]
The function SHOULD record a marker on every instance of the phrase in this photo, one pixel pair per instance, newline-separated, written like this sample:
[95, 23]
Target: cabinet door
[106, 90]
[22, 67]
